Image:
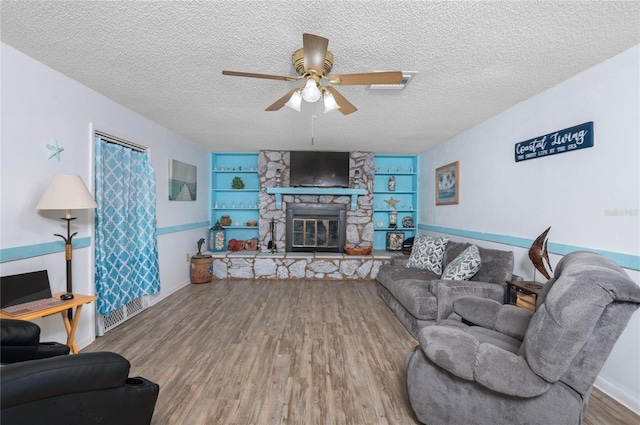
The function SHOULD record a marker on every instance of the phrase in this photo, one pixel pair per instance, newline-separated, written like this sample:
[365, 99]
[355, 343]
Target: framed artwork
[183, 181]
[448, 184]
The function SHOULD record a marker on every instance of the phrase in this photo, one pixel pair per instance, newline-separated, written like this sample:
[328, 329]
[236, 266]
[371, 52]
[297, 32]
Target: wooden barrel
[201, 269]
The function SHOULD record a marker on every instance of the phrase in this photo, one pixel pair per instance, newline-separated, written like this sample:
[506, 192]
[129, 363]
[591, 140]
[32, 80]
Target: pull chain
[313, 118]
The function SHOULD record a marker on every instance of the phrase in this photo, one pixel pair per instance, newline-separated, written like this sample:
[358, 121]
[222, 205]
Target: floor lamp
[67, 192]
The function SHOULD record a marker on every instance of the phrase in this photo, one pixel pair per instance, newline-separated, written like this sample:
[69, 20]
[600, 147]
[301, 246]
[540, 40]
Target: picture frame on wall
[448, 184]
[183, 181]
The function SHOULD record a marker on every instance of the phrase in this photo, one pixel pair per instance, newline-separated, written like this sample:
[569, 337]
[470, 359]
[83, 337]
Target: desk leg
[71, 326]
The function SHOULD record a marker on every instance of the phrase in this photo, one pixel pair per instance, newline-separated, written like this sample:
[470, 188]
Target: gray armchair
[499, 364]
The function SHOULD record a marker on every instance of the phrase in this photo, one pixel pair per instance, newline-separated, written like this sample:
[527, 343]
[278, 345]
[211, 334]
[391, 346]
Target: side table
[70, 325]
[526, 294]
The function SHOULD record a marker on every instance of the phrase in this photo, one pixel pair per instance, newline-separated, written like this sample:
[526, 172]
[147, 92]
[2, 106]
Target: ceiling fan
[313, 63]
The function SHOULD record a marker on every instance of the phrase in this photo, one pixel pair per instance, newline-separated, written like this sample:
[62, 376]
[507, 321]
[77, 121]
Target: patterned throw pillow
[464, 266]
[427, 253]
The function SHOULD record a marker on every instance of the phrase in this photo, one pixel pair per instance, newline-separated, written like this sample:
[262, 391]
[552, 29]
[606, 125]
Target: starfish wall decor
[54, 150]
[392, 202]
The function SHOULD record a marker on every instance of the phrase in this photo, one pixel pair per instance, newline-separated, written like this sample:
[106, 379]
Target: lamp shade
[330, 103]
[294, 101]
[311, 93]
[66, 192]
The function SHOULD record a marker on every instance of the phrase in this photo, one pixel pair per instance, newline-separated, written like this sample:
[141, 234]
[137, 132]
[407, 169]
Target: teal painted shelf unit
[241, 205]
[404, 169]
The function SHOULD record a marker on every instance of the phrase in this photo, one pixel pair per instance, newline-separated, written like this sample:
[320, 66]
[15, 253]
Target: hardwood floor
[280, 352]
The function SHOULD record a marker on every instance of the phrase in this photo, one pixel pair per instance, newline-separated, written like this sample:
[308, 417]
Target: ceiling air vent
[406, 77]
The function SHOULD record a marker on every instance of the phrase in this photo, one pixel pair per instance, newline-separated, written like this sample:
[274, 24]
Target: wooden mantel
[279, 191]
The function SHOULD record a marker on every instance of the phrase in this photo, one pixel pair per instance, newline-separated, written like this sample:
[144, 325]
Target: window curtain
[126, 247]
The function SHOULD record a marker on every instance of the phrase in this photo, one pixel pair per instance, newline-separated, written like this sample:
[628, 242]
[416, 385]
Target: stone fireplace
[315, 228]
[356, 212]
[358, 222]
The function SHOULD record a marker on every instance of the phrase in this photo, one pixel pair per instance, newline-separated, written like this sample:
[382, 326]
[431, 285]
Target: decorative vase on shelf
[225, 220]
[407, 221]
[393, 219]
[392, 184]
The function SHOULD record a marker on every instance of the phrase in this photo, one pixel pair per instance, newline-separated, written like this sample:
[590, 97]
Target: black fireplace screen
[315, 233]
[315, 227]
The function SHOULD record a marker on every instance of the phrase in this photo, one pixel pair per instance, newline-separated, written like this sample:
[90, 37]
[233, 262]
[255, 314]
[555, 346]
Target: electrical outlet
[187, 257]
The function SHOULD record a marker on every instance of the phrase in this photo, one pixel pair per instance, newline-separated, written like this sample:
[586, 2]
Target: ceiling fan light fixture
[311, 93]
[330, 103]
[294, 101]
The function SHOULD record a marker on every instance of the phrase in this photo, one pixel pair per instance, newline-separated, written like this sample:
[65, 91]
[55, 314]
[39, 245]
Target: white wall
[40, 105]
[572, 192]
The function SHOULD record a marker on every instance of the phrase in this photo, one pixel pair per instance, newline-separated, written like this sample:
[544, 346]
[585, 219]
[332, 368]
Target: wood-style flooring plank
[272, 352]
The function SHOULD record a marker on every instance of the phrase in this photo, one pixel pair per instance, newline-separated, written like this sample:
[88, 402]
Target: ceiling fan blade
[366, 78]
[315, 51]
[265, 76]
[346, 107]
[280, 102]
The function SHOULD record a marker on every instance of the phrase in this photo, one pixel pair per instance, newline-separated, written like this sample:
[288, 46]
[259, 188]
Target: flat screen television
[318, 169]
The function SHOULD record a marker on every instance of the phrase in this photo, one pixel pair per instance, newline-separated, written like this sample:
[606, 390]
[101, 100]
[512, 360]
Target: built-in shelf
[240, 204]
[279, 191]
[404, 170]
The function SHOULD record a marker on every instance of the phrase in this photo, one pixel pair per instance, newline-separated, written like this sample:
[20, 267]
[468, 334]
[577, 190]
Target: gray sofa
[420, 298]
[499, 364]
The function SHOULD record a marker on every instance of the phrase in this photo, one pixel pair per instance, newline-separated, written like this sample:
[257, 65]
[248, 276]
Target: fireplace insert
[315, 228]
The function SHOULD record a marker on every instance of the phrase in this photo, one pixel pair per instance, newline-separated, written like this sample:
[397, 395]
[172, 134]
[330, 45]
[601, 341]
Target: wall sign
[569, 139]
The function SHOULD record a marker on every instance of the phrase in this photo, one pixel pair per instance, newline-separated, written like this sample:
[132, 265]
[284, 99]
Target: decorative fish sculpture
[538, 252]
[200, 243]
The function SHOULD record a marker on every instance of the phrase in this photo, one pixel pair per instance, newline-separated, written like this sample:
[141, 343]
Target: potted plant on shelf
[237, 183]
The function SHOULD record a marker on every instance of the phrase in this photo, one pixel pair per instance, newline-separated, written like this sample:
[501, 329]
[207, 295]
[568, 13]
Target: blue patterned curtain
[126, 242]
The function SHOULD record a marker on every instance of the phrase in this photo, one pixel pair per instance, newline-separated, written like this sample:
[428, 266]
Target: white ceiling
[474, 60]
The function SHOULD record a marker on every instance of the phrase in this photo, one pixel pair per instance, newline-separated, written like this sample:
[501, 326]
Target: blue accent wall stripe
[36, 250]
[627, 261]
[180, 228]
[28, 251]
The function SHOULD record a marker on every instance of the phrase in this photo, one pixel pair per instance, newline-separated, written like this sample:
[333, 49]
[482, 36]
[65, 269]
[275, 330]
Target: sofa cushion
[484, 335]
[415, 297]
[495, 338]
[497, 266]
[464, 266]
[388, 273]
[427, 253]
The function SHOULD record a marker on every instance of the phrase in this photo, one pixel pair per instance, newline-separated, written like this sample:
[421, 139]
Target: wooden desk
[70, 325]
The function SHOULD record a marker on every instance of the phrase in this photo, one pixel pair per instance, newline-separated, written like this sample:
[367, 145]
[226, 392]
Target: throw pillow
[427, 253]
[464, 266]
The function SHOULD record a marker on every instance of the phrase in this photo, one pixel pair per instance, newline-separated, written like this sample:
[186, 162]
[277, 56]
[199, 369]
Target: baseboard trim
[628, 400]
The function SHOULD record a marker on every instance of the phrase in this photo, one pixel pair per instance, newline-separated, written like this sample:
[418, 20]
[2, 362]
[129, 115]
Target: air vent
[406, 77]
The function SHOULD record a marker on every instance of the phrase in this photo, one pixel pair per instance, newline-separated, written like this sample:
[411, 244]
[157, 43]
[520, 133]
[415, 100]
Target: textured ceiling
[474, 60]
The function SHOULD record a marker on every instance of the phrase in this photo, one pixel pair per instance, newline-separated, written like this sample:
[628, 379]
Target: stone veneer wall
[359, 222]
[297, 265]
